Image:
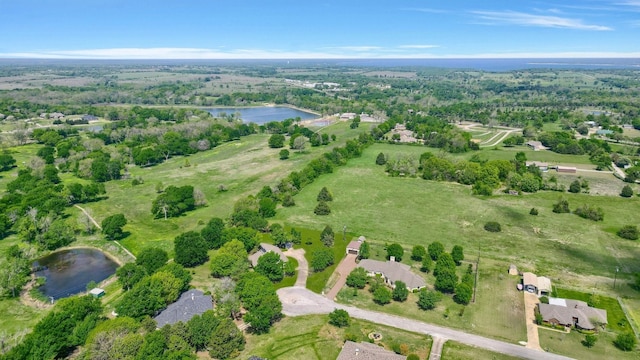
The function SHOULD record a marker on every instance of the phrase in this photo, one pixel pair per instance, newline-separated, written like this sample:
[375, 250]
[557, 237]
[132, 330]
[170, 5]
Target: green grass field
[570, 345]
[413, 211]
[456, 351]
[311, 337]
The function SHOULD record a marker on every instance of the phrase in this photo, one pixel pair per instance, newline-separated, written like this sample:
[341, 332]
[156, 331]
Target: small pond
[263, 114]
[69, 271]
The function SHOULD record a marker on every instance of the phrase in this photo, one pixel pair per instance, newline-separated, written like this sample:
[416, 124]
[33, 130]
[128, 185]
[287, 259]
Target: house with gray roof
[264, 248]
[190, 304]
[539, 285]
[572, 313]
[366, 351]
[392, 271]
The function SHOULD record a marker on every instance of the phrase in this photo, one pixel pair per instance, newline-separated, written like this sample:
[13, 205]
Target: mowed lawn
[311, 337]
[455, 351]
[414, 211]
[497, 313]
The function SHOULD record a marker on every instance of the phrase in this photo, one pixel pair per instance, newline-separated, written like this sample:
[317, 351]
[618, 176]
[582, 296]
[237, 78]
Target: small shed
[97, 292]
[513, 270]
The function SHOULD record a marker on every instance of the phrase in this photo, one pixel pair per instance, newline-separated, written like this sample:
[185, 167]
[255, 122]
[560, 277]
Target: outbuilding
[97, 292]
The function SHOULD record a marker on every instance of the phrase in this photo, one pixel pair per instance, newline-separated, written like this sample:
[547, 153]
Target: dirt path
[501, 138]
[297, 301]
[342, 271]
[303, 266]
[100, 228]
[530, 301]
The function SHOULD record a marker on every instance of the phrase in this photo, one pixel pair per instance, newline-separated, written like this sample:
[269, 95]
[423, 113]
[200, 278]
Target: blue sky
[290, 29]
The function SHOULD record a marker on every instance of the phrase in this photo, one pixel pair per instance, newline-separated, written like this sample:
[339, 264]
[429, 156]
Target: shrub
[382, 295]
[457, 253]
[427, 300]
[625, 342]
[357, 278]
[589, 340]
[493, 226]
[562, 206]
[324, 195]
[284, 154]
[427, 264]
[322, 209]
[418, 253]
[463, 294]
[381, 159]
[533, 211]
[339, 318]
[400, 292]
[629, 232]
[321, 259]
[591, 213]
[288, 201]
[544, 299]
[575, 187]
[626, 191]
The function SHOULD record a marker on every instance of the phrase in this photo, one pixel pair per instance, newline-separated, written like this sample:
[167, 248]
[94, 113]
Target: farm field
[311, 337]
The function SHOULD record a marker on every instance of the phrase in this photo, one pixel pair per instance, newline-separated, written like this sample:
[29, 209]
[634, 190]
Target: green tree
[463, 293]
[629, 232]
[339, 318]
[7, 161]
[418, 253]
[112, 226]
[276, 141]
[381, 159]
[288, 201]
[321, 259]
[446, 281]
[357, 278]
[589, 340]
[457, 254]
[626, 191]
[152, 259]
[284, 154]
[382, 295]
[271, 266]
[400, 292]
[279, 236]
[427, 264]
[322, 209]
[173, 202]
[435, 249]
[625, 341]
[365, 250]
[395, 250]
[212, 233]
[445, 263]
[230, 260]
[324, 195]
[130, 274]
[267, 208]
[190, 249]
[327, 236]
[226, 340]
[427, 300]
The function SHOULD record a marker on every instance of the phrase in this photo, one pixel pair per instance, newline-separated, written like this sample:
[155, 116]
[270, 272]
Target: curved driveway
[298, 301]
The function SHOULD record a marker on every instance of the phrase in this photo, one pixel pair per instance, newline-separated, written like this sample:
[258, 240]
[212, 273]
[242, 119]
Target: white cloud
[418, 46]
[203, 54]
[524, 19]
[427, 10]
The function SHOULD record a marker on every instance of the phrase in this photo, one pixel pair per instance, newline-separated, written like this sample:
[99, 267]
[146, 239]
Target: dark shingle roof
[191, 303]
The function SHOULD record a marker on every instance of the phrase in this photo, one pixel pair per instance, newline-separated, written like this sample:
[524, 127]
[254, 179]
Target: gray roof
[191, 303]
[394, 271]
[264, 248]
[574, 309]
[354, 245]
[366, 351]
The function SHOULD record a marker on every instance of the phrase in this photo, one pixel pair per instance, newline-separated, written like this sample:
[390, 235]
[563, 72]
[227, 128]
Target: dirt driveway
[342, 271]
[530, 302]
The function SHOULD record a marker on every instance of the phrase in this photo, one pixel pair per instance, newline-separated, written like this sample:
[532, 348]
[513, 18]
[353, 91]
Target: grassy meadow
[454, 350]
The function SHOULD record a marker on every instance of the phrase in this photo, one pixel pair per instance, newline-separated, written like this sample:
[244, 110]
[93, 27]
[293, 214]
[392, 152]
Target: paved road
[298, 301]
[303, 266]
[436, 348]
[342, 270]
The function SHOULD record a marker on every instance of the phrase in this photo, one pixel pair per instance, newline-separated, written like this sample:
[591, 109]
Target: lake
[69, 271]
[263, 114]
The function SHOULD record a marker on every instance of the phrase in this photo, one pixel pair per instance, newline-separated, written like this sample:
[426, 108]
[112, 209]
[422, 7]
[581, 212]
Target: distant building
[264, 248]
[97, 292]
[347, 116]
[566, 169]
[190, 304]
[603, 132]
[366, 351]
